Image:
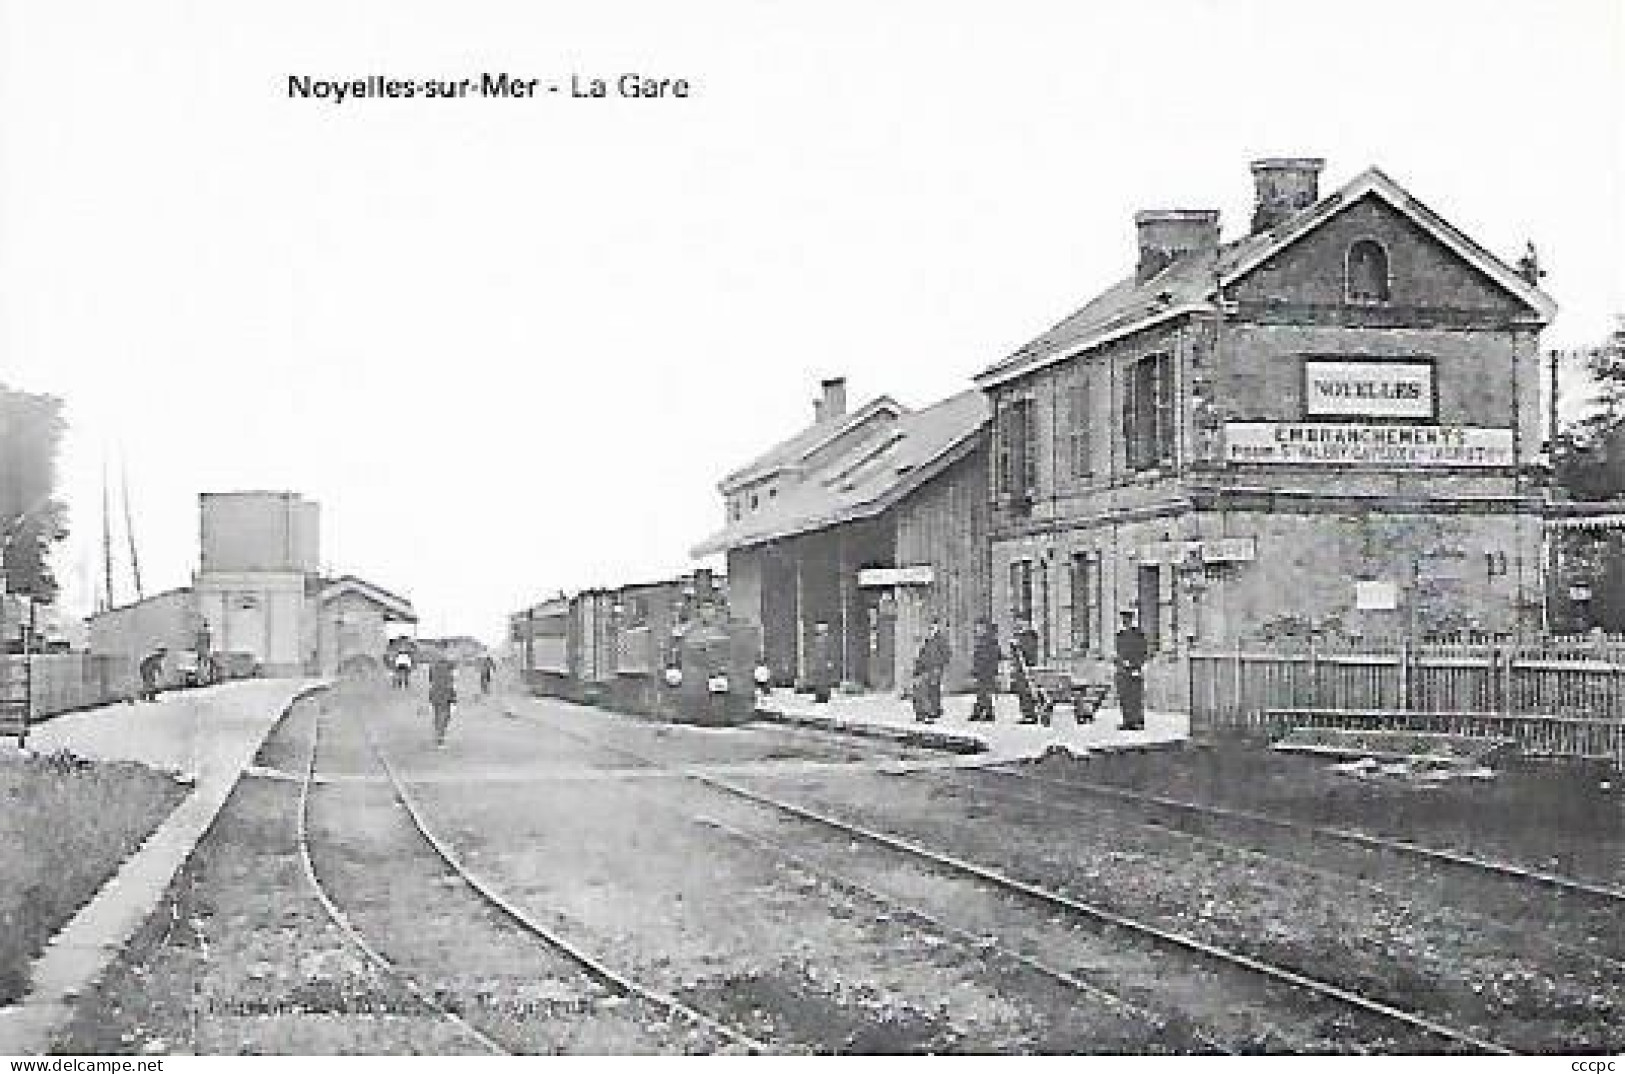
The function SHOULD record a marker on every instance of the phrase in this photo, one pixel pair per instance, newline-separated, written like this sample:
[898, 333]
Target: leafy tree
[1590, 457]
[31, 518]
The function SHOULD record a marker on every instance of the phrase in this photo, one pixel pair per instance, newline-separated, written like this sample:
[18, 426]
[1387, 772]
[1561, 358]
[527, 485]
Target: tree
[31, 518]
[1590, 457]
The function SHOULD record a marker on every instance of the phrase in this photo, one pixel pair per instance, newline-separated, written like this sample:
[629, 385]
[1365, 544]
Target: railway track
[342, 921]
[1328, 873]
[612, 980]
[1055, 900]
[1435, 855]
[1161, 1027]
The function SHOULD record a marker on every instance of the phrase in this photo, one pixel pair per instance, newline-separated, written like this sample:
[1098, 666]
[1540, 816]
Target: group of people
[442, 685]
[932, 664]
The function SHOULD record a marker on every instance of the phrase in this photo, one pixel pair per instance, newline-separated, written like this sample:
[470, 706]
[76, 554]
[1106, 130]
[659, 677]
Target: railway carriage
[663, 649]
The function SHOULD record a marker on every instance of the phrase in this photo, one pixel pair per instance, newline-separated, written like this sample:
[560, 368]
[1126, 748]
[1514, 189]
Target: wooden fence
[62, 682]
[1553, 699]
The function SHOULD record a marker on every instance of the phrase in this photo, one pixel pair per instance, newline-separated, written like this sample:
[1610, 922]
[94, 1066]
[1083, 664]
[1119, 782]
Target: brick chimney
[1282, 186]
[1164, 234]
[832, 403]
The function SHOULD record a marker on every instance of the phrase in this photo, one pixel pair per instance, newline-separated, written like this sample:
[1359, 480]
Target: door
[880, 615]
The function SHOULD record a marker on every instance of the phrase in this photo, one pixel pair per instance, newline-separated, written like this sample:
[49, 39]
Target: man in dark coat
[152, 669]
[442, 694]
[821, 673]
[1131, 651]
[985, 669]
[1023, 655]
[929, 667]
[488, 667]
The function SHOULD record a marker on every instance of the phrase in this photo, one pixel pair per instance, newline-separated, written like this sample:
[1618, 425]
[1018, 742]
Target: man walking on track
[1131, 654]
[487, 669]
[442, 695]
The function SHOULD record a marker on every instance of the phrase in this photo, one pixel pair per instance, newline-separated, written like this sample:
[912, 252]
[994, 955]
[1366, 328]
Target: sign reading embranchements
[1328, 443]
[1334, 388]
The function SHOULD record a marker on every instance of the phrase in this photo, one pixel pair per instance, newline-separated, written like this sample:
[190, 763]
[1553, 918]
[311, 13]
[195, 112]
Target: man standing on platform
[1131, 654]
[985, 669]
[929, 667]
[151, 670]
[822, 675]
[1023, 655]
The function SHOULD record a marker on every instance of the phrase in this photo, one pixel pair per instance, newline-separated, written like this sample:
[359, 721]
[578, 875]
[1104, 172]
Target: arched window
[1366, 277]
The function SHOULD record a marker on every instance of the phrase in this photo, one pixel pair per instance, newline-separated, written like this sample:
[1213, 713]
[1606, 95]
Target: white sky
[510, 346]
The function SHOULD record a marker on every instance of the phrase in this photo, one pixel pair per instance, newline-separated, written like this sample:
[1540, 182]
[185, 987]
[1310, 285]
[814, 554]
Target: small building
[1321, 427]
[871, 523]
[355, 621]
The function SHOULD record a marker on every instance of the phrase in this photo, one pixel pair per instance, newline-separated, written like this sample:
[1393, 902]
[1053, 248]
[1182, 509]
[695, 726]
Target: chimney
[832, 404]
[1282, 186]
[1164, 234]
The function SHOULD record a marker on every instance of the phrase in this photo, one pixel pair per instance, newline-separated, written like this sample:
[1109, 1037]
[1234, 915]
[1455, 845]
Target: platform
[892, 717]
[205, 737]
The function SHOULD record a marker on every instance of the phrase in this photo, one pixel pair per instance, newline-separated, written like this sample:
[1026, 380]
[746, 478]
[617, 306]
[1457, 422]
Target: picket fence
[1557, 697]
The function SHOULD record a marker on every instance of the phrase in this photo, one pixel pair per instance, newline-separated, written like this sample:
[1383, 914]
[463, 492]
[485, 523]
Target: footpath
[892, 717]
[206, 738]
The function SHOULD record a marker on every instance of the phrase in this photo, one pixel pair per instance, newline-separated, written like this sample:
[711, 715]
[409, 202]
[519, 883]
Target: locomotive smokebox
[714, 663]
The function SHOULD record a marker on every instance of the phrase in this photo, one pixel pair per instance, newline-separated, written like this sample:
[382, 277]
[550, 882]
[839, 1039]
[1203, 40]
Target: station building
[871, 522]
[1321, 427]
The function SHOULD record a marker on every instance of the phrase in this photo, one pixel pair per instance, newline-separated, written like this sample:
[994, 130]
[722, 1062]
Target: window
[753, 501]
[1148, 413]
[1366, 275]
[1079, 464]
[1021, 593]
[1018, 457]
[1150, 594]
[1085, 611]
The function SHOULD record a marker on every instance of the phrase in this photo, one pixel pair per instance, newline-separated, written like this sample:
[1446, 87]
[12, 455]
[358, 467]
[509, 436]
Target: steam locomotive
[665, 649]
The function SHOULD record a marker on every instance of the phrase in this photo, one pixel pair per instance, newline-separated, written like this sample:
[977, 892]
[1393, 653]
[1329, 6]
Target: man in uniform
[985, 669]
[1130, 677]
[821, 673]
[1023, 655]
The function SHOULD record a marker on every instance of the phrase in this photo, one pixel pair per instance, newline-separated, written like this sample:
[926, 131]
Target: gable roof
[396, 608]
[866, 480]
[1189, 283]
[796, 449]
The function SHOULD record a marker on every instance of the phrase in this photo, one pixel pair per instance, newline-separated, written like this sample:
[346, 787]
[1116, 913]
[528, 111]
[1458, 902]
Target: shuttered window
[1148, 413]
[1085, 608]
[1078, 459]
[1017, 449]
[1021, 592]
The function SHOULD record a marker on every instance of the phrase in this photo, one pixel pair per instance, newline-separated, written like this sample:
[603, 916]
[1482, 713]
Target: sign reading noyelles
[1338, 388]
[1344, 444]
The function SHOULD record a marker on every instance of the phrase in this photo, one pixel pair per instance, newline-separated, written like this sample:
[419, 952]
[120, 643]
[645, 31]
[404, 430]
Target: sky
[511, 345]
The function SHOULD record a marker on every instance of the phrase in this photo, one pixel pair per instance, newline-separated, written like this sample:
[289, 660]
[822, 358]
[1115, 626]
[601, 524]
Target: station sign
[1401, 445]
[1339, 388]
[1206, 550]
[887, 576]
